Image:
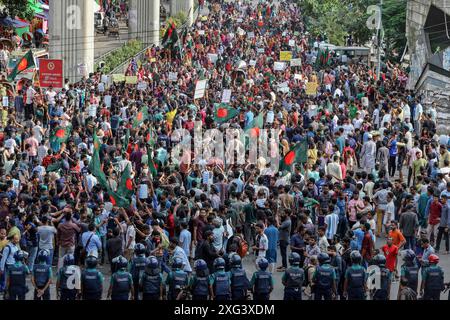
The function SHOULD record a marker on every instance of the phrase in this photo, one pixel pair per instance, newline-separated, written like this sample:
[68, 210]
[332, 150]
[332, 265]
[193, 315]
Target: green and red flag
[95, 166]
[126, 183]
[140, 117]
[26, 62]
[151, 137]
[60, 134]
[254, 127]
[323, 58]
[126, 141]
[152, 165]
[118, 200]
[224, 113]
[297, 154]
[170, 38]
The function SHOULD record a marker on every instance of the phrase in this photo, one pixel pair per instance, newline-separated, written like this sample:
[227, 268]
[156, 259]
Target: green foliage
[19, 8]
[119, 56]
[394, 23]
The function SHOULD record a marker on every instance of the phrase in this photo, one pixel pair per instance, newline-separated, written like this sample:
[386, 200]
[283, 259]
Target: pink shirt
[352, 205]
[32, 152]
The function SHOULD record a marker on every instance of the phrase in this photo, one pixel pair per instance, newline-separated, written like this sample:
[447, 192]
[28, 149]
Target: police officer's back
[177, 278]
[239, 281]
[151, 282]
[383, 293]
[409, 270]
[42, 277]
[219, 281]
[137, 267]
[199, 282]
[121, 281]
[91, 280]
[324, 278]
[16, 275]
[65, 283]
[355, 278]
[293, 278]
[262, 281]
[432, 280]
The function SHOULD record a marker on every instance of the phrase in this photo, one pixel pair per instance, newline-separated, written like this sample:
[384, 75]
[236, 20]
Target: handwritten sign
[296, 62]
[279, 66]
[131, 79]
[311, 88]
[213, 57]
[285, 55]
[260, 50]
[173, 76]
[251, 35]
[291, 43]
[226, 96]
[200, 89]
[252, 63]
[118, 77]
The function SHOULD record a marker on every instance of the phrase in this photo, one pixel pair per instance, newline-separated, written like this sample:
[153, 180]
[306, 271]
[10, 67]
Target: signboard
[292, 43]
[311, 88]
[142, 86]
[118, 77]
[279, 66]
[200, 89]
[251, 35]
[131, 79]
[297, 76]
[252, 63]
[226, 96]
[296, 62]
[51, 73]
[173, 76]
[260, 50]
[108, 100]
[285, 55]
[213, 57]
[5, 101]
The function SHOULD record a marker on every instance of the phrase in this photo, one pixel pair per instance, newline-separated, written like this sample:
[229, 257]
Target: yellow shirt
[312, 156]
[14, 231]
[3, 243]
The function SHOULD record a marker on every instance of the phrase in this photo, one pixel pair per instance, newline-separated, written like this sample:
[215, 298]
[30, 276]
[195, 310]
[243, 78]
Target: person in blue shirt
[393, 151]
[272, 236]
[16, 275]
[91, 242]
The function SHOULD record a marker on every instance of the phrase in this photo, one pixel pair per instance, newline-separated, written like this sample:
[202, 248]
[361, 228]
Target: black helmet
[121, 262]
[323, 258]
[19, 255]
[152, 263]
[294, 259]
[236, 261]
[139, 249]
[409, 255]
[69, 260]
[91, 262]
[219, 264]
[43, 255]
[355, 257]
[177, 263]
[380, 260]
[200, 265]
[263, 264]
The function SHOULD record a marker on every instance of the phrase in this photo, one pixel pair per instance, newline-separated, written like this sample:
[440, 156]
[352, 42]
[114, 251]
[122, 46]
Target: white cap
[369, 136]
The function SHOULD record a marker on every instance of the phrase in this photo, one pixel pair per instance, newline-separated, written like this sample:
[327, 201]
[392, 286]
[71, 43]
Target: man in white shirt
[130, 238]
[50, 96]
[418, 116]
[262, 243]
[30, 92]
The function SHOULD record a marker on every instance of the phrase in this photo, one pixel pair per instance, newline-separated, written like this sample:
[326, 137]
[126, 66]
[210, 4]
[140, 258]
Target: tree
[19, 8]
[394, 24]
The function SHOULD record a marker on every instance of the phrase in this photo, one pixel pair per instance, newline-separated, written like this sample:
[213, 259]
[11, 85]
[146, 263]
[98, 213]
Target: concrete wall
[71, 30]
[144, 21]
[186, 6]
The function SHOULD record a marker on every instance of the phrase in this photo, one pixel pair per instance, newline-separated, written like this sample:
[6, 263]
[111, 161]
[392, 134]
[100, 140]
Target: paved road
[104, 43]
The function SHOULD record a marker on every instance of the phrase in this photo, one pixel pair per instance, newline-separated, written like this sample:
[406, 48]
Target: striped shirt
[331, 221]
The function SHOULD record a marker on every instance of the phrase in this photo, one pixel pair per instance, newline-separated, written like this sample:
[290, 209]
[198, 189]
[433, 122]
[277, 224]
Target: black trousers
[441, 231]
[391, 165]
[283, 251]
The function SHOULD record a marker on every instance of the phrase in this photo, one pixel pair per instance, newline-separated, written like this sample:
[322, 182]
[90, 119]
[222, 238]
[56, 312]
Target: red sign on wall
[51, 73]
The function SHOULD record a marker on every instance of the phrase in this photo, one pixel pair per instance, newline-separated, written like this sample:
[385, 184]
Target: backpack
[242, 248]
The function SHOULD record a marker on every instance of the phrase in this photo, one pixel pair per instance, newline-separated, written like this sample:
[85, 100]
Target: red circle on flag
[139, 116]
[254, 132]
[23, 65]
[289, 158]
[129, 184]
[222, 113]
[113, 201]
[60, 133]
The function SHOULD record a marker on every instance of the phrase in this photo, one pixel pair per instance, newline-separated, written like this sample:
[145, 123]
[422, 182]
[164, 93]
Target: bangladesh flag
[60, 135]
[151, 137]
[126, 141]
[297, 154]
[26, 62]
[141, 117]
[323, 58]
[126, 183]
[152, 165]
[118, 200]
[170, 37]
[223, 112]
[253, 128]
[54, 167]
[95, 166]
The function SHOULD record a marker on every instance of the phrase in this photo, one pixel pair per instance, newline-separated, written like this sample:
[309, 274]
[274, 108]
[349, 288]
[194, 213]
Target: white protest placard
[200, 89]
[251, 35]
[239, 20]
[201, 32]
[108, 100]
[312, 110]
[240, 31]
[5, 101]
[284, 87]
[252, 63]
[142, 86]
[101, 87]
[296, 62]
[231, 35]
[279, 66]
[365, 101]
[292, 43]
[297, 76]
[213, 57]
[173, 76]
[104, 78]
[260, 50]
[226, 96]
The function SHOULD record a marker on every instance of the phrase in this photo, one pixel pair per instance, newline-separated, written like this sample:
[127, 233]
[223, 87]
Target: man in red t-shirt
[390, 251]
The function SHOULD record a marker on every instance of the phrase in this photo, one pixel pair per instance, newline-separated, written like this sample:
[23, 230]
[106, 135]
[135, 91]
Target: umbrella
[12, 23]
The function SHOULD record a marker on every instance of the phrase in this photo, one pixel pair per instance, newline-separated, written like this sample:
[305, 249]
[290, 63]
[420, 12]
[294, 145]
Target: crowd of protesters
[376, 171]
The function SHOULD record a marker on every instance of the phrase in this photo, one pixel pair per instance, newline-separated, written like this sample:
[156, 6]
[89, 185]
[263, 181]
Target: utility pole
[380, 40]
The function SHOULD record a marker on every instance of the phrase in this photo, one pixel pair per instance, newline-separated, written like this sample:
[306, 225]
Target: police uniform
[410, 273]
[239, 284]
[293, 279]
[221, 284]
[199, 284]
[356, 276]
[137, 267]
[92, 284]
[121, 282]
[262, 282]
[323, 278]
[17, 274]
[176, 278]
[42, 273]
[385, 279]
[151, 285]
[63, 277]
[434, 282]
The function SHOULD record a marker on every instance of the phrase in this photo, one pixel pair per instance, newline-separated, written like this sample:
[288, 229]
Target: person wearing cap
[444, 224]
